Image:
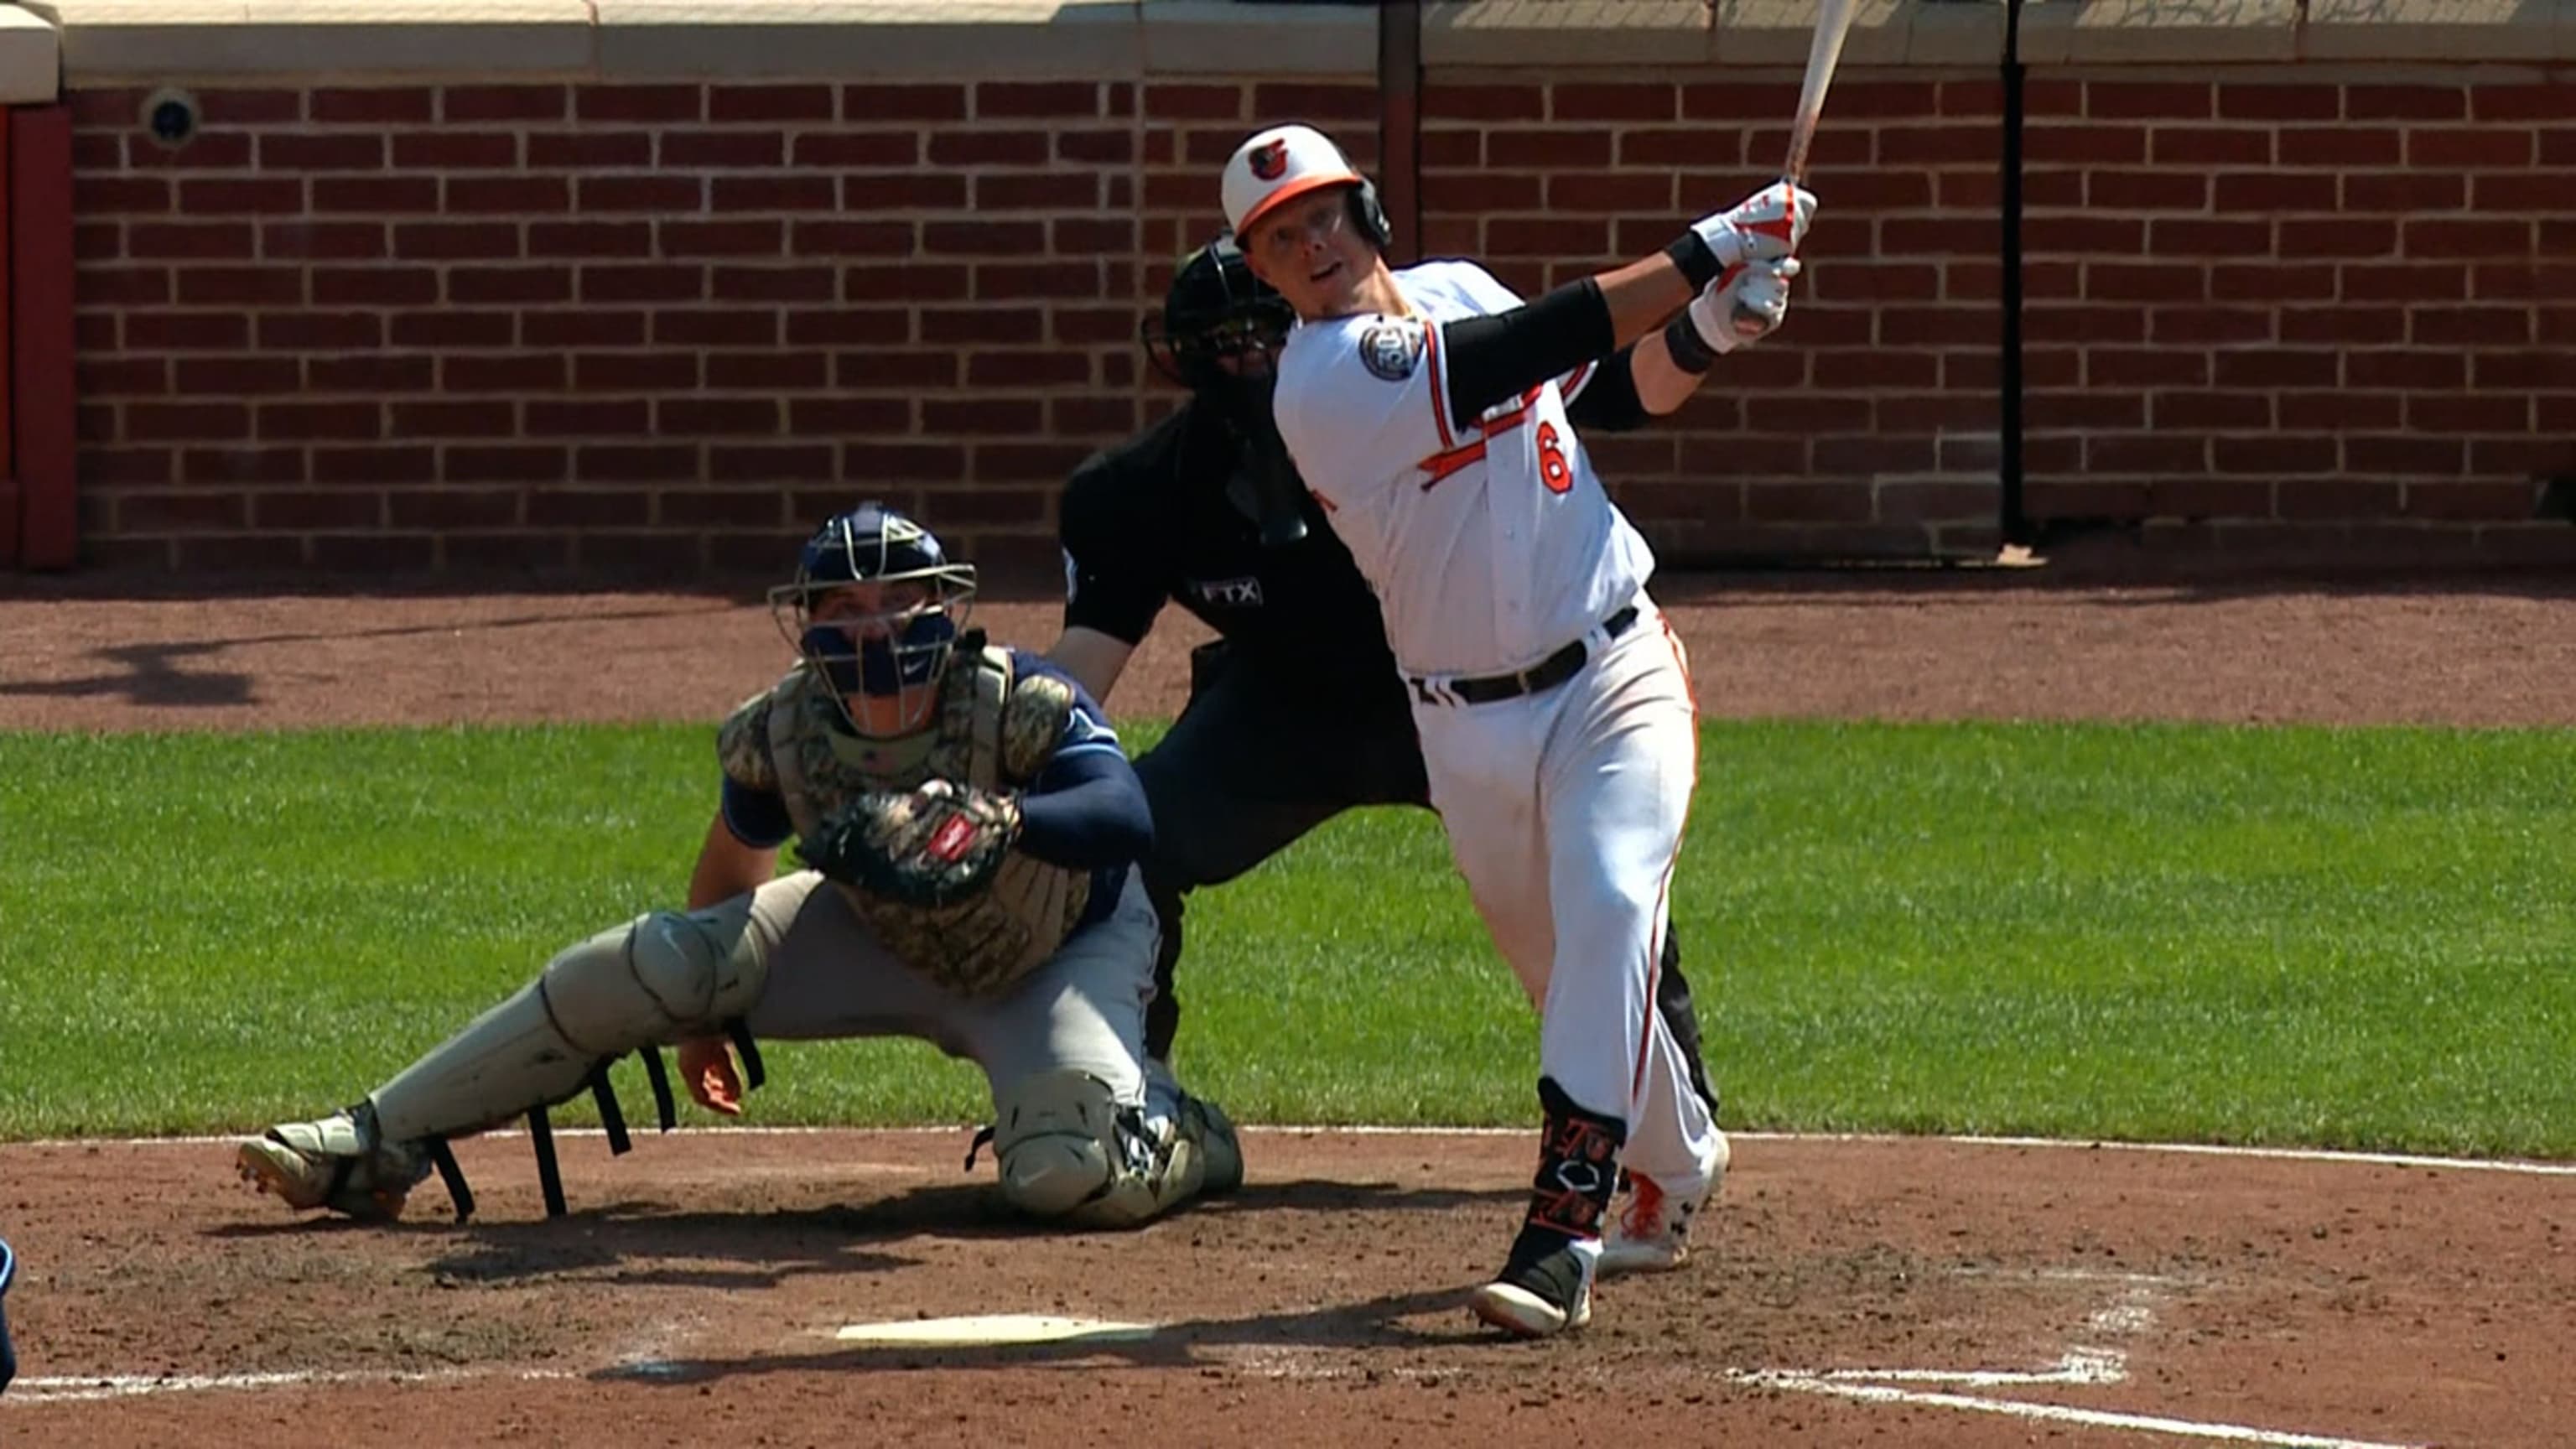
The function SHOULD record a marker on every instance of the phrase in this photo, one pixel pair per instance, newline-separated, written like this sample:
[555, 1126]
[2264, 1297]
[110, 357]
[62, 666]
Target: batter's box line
[87, 1388]
[1876, 1387]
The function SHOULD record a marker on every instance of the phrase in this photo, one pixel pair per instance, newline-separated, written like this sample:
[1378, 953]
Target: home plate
[993, 1328]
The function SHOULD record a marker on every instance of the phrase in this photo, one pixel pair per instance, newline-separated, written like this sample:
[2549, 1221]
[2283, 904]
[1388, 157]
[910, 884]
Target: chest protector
[993, 731]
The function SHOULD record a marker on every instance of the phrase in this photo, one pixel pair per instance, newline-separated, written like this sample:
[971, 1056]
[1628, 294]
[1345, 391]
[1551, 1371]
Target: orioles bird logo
[1270, 162]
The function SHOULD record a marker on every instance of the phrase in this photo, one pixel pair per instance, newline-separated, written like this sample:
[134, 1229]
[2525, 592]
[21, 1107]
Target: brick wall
[656, 328]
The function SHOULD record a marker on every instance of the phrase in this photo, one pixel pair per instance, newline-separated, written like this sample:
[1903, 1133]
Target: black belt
[1545, 675]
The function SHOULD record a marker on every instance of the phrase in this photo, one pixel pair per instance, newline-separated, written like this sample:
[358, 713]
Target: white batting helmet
[1280, 165]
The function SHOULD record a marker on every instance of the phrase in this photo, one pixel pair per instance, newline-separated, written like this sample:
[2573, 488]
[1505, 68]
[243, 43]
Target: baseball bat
[1824, 52]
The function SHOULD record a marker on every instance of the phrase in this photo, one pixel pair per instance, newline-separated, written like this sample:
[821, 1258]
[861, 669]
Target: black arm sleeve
[1107, 587]
[1087, 811]
[1609, 402]
[1508, 353]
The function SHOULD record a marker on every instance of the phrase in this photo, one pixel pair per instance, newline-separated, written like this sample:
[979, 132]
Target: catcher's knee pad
[1069, 1150]
[658, 977]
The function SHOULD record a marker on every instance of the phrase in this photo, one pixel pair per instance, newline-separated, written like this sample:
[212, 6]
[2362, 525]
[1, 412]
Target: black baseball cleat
[1545, 1286]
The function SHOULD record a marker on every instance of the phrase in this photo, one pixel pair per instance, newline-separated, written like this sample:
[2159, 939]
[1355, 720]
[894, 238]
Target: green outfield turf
[2351, 938]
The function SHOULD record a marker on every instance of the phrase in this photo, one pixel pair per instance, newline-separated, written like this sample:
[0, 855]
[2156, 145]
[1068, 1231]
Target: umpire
[1296, 710]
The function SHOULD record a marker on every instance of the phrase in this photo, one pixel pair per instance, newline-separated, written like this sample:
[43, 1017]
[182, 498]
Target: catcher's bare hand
[707, 1070]
[935, 845]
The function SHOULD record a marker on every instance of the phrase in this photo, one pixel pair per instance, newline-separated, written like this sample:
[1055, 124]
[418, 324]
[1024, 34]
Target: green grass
[2353, 938]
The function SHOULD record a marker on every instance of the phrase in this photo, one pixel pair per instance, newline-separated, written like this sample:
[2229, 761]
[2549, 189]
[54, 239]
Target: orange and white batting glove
[1763, 227]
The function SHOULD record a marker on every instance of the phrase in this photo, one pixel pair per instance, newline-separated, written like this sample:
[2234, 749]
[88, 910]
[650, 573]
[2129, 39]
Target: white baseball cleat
[1545, 1286]
[1652, 1233]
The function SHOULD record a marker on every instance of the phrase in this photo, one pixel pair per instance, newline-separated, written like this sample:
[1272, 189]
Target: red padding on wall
[40, 412]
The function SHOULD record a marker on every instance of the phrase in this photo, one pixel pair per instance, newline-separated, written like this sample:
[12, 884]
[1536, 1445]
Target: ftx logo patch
[1227, 593]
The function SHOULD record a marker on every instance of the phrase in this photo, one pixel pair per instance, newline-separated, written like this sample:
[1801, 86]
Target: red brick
[775, 284]
[2338, 146]
[909, 281]
[847, 415]
[1735, 100]
[2408, 190]
[375, 465]
[730, 238]
[122, 286]
[519, 195]
[508, 463]
[668, 282]
[769, 462]
[1453, 148]
[302, 331]
[299, 421]
[2258, 101]
[2467, 413]
[109, 377]
[2270, 193]
[769, 371]
[380, 106]
[2269, 282]
[771, 103]
[349, 241]
[2343, 237]
[2495, 101]
[2512, 192]
[2186, 409]
[291, 151]
[722, 148]
[716, 327]
[2464, 499]
[2332, 497]
[588, 418]
[859, 148]
[2116, 235]
[634, 371]
[988, 148]
[452, 419]
[178, 512]
[588, 327]
[2133, 367]
[1918, 326]
[376, 194]
[2209, 146]
[2200, 326]
[872, 102]
[2530, 371]
[219, 151]
[663, 194]
[2148, 190]
[852, 326]
[2083, 324]
[591, 239]
[1166, 102]
[1040, 100]
[2441, 146]
[1612, 193]
[1975, 98]
[1479, 192]
[900, 191]
[2278, 368]
[2471, 326]
[2118, 453]
[504, 103]
[1480, 102]
[1317, 104]
[241, 286]
[1542, 148]
[2407, 369]
[377, 373]
[210, 196]
[448, 327]
[1553, 237]
[1052, 191]
[584, 150]
[2397, 453]
[2171, 237]
[1616, 101]
[2132, 100]
[985, 417]
[773, 193]
[480, 286]
[243, 465]
[640, 103]
[1027, 369]
[2468, 239]
[715, 416]
[236, 376]
[2404, 282]
[189, 240]
[374, 286]
[184, 422]
[322, 509]
[455, 240]
[1071, 236]
[1096, 148]
[2084, 145]
[947, 326]
[2351, 326]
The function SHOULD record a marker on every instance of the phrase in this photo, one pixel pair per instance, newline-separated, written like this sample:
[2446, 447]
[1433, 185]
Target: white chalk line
[2079, 1144]
[1881, 1393]
[86, 1388]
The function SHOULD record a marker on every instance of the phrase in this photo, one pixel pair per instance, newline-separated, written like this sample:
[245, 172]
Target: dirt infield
[1909, 1292]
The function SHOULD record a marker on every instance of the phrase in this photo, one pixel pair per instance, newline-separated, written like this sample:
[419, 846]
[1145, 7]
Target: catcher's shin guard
[655, 979]
[1070, 1151]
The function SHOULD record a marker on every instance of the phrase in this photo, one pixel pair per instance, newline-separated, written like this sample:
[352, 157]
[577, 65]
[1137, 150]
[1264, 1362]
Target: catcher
[970, 827]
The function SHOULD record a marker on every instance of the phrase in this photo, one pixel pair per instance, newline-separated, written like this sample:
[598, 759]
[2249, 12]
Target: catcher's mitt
[935, 845]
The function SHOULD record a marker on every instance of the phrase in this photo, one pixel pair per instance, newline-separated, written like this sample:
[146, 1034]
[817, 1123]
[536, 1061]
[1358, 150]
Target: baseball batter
[972, 827]
[1427, 411]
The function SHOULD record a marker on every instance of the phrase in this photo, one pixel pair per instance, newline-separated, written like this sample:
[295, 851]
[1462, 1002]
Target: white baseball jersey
[1489, 540]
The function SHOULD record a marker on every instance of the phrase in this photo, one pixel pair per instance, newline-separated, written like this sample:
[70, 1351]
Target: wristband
[1690, 352]
[1692, 254]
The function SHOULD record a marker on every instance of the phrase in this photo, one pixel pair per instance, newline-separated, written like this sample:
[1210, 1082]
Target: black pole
[2015, 524]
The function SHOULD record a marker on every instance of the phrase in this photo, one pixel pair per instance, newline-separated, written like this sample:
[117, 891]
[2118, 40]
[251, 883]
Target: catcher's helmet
[900, 646]
[1216, 309]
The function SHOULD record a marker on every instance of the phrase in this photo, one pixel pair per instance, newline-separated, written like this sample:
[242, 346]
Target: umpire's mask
[1219, 335]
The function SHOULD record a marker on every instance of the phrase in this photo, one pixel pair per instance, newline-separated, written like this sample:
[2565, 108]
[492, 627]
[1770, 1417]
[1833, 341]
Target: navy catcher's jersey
[1150, 522]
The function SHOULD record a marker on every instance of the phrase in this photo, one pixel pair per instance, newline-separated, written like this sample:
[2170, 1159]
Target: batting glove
[1763, 227]
[1737, 311]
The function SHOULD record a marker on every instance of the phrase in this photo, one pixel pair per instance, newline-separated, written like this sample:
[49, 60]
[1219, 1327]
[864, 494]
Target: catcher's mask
[876, 607]
[1219, 334]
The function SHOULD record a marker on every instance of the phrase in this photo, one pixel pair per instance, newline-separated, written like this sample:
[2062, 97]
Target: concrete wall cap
[31, 59]
[1219, 37]
[971, 39]
[1562, 34]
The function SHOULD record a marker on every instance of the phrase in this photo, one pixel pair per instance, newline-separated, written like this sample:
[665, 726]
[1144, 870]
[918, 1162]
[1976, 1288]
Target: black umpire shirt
[1158, 519]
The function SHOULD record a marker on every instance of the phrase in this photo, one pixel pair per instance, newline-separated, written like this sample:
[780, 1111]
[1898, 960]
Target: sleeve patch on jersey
[1392, 349]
